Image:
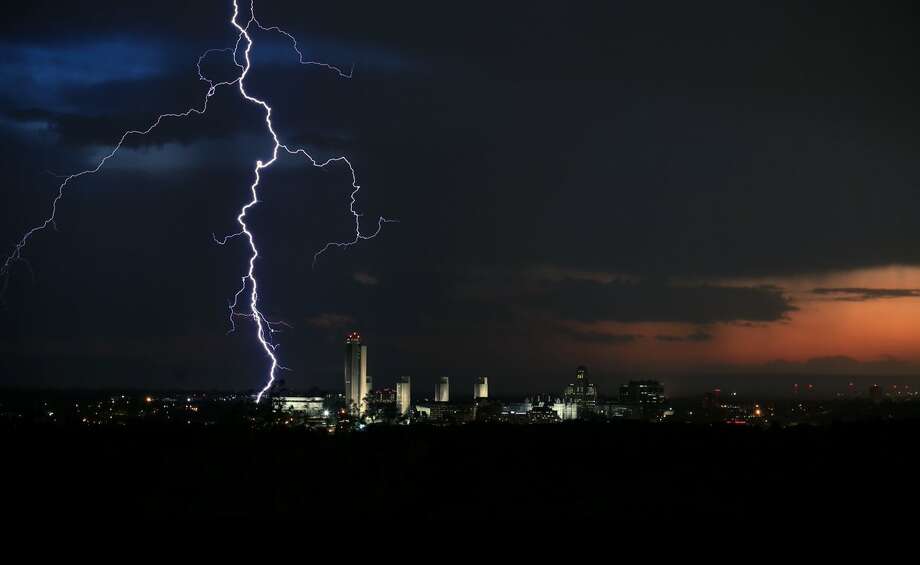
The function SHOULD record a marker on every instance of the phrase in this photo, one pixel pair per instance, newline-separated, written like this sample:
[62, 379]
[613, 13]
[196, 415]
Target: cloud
[365, 279]
[596, 337]
[698, 336]
[366, 57]
[91, 62]
[842, 364]
[553, 273]
[331, 321]
[79, 130]
[856, 294]
[578, 297]
[652, 301]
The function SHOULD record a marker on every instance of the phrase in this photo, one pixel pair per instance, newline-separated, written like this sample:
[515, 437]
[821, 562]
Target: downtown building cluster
[361, 403]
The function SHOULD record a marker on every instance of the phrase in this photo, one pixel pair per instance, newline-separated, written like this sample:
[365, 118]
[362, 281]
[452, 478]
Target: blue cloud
[84, 64]
[36, 75]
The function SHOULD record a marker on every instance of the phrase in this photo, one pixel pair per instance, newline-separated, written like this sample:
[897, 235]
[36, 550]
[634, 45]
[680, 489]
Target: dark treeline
[605, 470]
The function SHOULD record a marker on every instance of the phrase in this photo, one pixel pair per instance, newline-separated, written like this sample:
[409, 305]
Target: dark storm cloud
[698, 336]
[53, 66]
[86, 76]
[650, 301]
[586, 296]
[91, 120]
[332, 321]
[864, 294]
[678, 154]
[76, 131]
[842, 364]
[365, 279]
[598, 337]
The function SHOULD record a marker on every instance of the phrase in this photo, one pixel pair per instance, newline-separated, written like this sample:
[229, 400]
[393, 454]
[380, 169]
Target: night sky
[663, 189]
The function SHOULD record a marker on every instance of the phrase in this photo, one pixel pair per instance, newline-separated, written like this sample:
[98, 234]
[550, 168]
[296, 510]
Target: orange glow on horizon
[825, 325]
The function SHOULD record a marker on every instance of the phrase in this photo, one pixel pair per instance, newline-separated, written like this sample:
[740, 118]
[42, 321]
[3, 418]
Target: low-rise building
[447, 412]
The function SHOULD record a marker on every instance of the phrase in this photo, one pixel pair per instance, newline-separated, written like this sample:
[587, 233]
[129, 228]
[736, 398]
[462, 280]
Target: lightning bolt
[264, 327]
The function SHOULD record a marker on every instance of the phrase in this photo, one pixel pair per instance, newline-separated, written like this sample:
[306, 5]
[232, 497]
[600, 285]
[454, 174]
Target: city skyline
[796, 385]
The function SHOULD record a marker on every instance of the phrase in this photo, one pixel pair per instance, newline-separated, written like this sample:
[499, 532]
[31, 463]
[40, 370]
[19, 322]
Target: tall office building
[580, 396]
[642, 392]
[403, 395]
[647, 398]
[481, 388]
[356, 380]
[442, 390]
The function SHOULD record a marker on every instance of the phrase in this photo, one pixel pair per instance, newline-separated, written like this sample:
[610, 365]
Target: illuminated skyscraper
[580, 396]
[481, 388]
[442, 390]
[403, 395]
[356, 381]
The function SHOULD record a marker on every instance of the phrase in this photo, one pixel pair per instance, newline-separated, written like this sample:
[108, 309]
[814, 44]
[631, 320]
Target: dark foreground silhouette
[618, 470]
